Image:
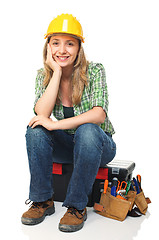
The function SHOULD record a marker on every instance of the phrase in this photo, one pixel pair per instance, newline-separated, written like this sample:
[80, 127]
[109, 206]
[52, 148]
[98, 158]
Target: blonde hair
[79, 78]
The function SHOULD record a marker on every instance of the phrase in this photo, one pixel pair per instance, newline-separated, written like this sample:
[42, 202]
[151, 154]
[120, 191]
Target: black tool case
[61, 180]
[121, 169]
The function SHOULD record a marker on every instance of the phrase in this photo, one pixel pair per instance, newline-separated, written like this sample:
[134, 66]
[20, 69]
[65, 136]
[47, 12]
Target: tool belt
[116, 208]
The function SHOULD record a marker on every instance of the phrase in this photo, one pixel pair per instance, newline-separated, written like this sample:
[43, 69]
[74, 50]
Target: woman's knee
[33, 132]
[36, 134]
[87, 129]
[88, 135]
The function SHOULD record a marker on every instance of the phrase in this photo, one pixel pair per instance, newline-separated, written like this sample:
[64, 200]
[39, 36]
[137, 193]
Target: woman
[76, 92]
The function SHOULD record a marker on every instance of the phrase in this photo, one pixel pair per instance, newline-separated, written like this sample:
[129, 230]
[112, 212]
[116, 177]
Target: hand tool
[138, 177]
[137, 186]
[113, 191]
[121, 196]
[114, 186]
[128, 187]
[121, 185]
[105, 186]
[132, 186]
[115, 182]
[121, 191]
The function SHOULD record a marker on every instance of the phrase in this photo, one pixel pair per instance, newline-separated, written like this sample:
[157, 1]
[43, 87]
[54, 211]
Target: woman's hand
[50, 61]
[47, 123]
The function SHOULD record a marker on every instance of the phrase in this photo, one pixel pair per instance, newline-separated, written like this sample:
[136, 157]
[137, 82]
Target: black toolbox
[121, 169]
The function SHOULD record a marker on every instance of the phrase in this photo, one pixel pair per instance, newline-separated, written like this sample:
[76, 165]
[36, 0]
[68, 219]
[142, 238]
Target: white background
[121, 34]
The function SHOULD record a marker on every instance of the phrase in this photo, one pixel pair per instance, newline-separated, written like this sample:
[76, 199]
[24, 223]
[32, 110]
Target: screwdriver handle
[137, 186]
[138, 177]
[128, 187]
[105, 186]
[113, 191]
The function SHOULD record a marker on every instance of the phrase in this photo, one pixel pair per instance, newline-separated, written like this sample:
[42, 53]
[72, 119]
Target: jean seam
[103, 140]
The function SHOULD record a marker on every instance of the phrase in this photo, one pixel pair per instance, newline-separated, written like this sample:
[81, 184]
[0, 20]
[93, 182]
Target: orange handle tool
[139, 178]
[105, 186]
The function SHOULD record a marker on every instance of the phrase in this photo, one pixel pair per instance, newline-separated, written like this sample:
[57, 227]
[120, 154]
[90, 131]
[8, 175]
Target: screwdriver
[114, 186]
[137, 186]
[105, 186]
[115, 182]
[128, 187]
[138, 177]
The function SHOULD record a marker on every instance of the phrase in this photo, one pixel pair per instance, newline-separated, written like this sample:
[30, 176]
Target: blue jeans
[88, 149]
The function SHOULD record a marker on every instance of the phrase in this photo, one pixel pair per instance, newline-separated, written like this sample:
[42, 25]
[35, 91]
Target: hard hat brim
[64, 33]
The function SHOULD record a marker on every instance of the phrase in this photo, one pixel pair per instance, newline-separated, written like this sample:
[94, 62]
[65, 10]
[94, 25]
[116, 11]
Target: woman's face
[64, 49]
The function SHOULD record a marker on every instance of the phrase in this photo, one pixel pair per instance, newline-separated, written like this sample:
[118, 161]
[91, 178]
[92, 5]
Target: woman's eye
[55, 43]
[70, 44]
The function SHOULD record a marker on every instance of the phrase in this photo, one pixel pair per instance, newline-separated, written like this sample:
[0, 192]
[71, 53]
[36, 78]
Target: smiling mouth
[62, 58]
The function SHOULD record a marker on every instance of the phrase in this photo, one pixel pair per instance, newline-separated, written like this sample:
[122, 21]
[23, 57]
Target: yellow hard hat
[65, 23]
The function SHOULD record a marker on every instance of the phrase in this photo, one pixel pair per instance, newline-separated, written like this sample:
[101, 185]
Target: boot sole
[35, 221]
[72, 228]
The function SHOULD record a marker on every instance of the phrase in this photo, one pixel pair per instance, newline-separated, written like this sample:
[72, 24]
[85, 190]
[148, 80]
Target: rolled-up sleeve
[39, 87]
[99, 93]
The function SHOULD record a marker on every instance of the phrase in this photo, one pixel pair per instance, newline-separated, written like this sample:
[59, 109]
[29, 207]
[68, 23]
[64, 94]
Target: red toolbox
[117, 168]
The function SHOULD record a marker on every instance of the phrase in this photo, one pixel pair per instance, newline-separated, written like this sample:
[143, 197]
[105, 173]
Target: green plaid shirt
[95, 94]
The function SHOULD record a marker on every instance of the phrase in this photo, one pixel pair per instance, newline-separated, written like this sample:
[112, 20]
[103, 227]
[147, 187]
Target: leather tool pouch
[113, 207]
[141, 202]
[131, 196]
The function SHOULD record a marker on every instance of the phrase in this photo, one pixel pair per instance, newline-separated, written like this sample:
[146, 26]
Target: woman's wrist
[55, 125]
[58, 72]
[56, 76]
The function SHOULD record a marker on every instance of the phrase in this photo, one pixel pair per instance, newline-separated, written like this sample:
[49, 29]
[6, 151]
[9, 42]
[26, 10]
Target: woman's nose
[62, 49]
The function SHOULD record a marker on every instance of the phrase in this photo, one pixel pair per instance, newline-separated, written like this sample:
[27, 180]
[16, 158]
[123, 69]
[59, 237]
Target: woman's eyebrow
[70, 41]
[55, 39]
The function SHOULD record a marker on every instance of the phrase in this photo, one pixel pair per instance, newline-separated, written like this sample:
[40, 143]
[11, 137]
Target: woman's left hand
[47, 123]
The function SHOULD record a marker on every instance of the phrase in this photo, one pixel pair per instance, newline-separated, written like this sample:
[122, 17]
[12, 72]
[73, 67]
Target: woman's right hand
[50, 61]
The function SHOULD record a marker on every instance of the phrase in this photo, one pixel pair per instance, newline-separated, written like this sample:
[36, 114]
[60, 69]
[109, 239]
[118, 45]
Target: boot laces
[74, 211]
[35, 204]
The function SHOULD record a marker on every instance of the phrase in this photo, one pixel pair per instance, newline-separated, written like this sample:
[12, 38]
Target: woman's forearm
[46, 103]
[95, 115]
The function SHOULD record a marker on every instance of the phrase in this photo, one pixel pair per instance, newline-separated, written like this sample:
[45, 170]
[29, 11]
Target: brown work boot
[37, 212]
[73, 220]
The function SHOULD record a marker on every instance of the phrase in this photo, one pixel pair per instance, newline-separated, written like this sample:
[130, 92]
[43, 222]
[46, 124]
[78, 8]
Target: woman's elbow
[102, 118]
[101, 115]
